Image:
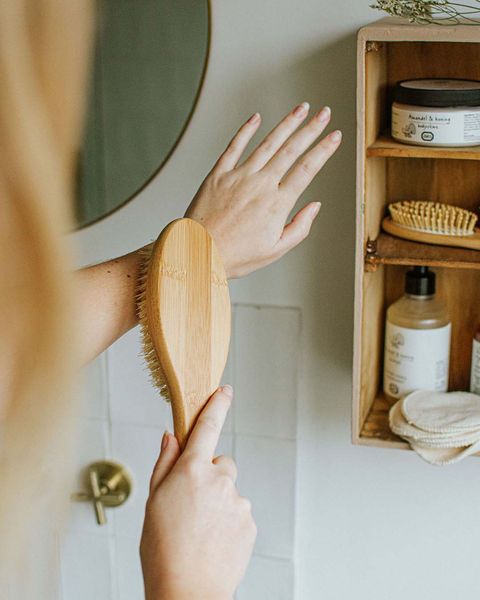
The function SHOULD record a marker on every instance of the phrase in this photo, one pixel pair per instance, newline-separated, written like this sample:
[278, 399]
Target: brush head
[157, 375]
[184, 314]
[433, 217]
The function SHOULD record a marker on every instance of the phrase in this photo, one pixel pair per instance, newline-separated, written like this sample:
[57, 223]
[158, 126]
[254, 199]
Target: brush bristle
[433, 217]
[157, 376]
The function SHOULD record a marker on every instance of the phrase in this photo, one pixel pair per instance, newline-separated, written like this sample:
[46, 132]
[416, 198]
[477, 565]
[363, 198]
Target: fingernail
[254, 118]
[165, 438]
[336, 136]
[301, 109]
[325, 113]
[316, 208]
[228, 390]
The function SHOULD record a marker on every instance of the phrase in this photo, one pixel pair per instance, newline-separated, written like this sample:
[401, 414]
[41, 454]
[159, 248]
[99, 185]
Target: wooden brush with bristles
[433, 223]
[184, 312]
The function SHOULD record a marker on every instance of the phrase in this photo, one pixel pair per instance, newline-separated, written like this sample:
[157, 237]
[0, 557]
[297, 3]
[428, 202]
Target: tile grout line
[58, 561]
[267, 306]
[298, 367]
[234, 377]
[114, 583]
[273, 558]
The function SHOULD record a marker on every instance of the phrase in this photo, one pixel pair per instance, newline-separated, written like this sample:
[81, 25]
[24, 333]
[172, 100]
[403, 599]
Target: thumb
[169, 454]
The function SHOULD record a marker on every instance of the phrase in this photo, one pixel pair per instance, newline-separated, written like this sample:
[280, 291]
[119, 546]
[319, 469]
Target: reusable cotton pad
[442, 428]
[413, 434]
[442, 412]
[444, 456]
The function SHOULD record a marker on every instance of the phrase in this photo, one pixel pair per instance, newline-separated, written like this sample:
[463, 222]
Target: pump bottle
[417, 338]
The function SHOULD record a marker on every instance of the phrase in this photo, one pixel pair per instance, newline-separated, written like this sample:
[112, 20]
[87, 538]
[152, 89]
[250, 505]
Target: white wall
[370, 523]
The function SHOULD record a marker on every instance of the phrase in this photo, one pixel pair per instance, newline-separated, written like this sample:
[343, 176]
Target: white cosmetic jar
[437, 112]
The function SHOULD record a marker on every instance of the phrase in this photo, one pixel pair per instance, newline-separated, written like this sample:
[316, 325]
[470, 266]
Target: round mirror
[150, 59]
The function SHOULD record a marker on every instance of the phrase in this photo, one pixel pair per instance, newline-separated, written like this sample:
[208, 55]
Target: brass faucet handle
[97, 497]
[109, 486]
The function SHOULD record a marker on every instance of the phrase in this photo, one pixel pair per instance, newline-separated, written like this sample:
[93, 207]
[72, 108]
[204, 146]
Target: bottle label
[416, 359]
[475, 372]
[436, 128]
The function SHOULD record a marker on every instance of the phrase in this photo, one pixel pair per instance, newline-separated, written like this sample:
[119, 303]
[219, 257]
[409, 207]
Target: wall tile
[266, 354]
[137, 448]
[86, 567]
[267, 579]
[94, 389]
[128, 570]
[267, 470]
[93, 446]
[133, 399]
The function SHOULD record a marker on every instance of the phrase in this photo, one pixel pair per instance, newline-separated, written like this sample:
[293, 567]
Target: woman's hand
[198, 533]
[245, 207]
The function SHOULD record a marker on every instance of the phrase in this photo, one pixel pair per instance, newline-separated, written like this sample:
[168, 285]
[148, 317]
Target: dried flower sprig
[441, 12]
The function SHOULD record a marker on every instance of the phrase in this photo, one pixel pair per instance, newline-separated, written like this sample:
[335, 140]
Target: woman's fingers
[274, 140]
[204, 437]
[298, 179]
[229, 159]
[298, 144]
[227, 466]
[298, 229]
[169, 454]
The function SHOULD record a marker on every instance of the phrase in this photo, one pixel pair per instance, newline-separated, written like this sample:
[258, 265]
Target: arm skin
[107, 299]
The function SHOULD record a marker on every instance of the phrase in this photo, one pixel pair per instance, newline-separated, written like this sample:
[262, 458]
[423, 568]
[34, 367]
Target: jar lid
[438, 92]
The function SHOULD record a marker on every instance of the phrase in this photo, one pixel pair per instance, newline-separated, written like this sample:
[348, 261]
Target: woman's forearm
[107, 302]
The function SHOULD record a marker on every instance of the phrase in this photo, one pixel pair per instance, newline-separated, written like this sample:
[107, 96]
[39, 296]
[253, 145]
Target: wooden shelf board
[376, 428]
[396, 251]
[386, 146]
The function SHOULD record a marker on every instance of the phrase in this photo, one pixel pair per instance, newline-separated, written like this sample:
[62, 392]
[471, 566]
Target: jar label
[475, 372]
[416, 359]
[436, 128]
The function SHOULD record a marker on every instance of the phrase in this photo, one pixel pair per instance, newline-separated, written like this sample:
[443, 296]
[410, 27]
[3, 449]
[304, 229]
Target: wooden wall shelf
[389, 51]
[386, 146]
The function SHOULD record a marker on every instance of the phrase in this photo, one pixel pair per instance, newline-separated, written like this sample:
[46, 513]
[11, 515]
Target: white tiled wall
[124, 419]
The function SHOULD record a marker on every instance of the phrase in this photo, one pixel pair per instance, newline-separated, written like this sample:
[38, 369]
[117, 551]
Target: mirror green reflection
[148, 66]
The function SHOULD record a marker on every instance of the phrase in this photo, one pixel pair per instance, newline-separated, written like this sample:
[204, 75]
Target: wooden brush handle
[470, 241]
[188, 306]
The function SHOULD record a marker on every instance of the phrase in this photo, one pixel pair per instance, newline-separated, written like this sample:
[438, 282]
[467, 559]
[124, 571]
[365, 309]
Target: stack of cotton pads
[441, 427]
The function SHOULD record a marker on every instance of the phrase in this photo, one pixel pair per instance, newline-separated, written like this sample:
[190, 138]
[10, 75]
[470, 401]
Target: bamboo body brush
[433, 223]
[185, 317]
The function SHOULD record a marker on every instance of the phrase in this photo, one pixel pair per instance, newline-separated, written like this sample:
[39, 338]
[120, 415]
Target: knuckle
[224, 483]
[229, 461]
[232, 147]
[253, 529]
[245, 506]
[189, 468]
[208, 422]
[307, 168]
[289, 150]
[267, 147]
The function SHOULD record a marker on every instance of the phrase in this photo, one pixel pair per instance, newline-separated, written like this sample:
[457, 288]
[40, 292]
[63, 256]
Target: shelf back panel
[454, 182]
